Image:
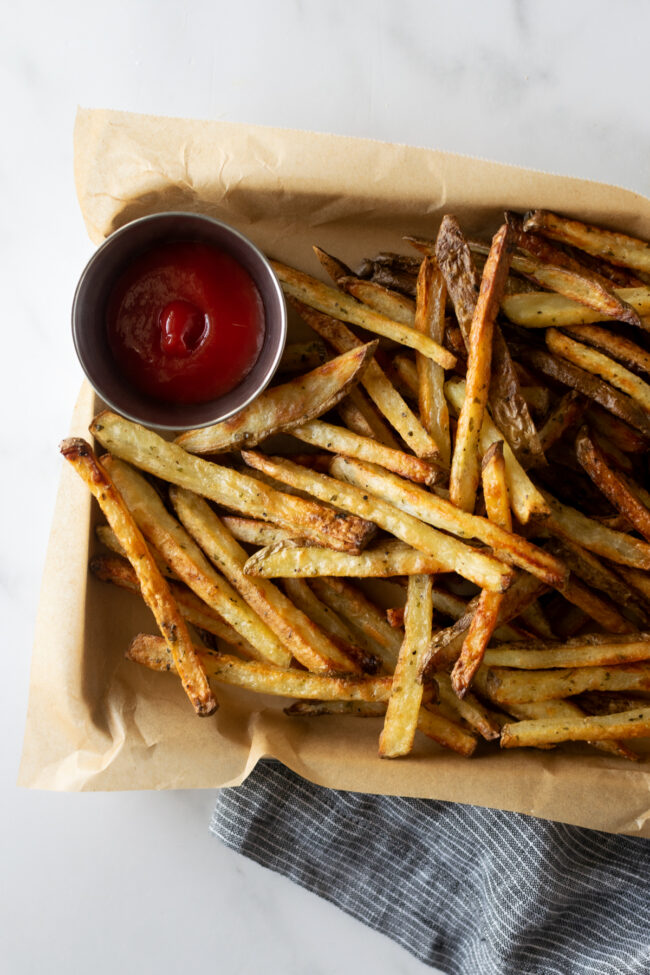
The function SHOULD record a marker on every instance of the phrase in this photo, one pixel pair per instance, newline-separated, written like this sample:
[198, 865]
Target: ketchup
[185, 323]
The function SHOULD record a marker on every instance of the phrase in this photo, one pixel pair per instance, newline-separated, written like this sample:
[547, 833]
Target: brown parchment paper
[96, 721]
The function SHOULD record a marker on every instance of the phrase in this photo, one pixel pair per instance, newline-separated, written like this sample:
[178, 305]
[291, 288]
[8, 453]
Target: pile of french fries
[470, 422]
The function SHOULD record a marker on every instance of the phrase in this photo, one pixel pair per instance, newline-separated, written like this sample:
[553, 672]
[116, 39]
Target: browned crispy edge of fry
[565, 414]
[617, 248]
[155, 590]
[610, 483]
[631, 355]
[430, 318]
[626, 724]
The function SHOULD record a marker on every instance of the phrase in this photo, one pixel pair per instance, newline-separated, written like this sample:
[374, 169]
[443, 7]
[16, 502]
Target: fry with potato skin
[155, 590]
[327, 300]
[566, 414]
[611, 484]
[361, 416]
[283, 407]
[146, 450]
[430, 320]
[309, 645]
[631, 355]
[464, 477]
[544, 309]
[516, 686]
[406, 696]
[627, 724]
[390, 303]
[292, 559]
[593, 650]
[474, 565]
[264, 678]
[617, 248]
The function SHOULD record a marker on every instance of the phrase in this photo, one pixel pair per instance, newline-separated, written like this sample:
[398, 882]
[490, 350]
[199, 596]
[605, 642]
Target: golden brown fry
[406, 696]
[442, 514]
[378, 386]
[300, 356]
[331, 302]
[567, 523]
[627, 724]
[542, 309]
[525, 498]
[259, 533]
[264, 678]
[109, 539]
[407, 373]
[341, 441]
[566, 414]
[430, 319]
[308, 644]
[613, 486]
[469, 708]
[600, 365]
[514, 686]
[283, 407]
[476, 566]
[155, 590]
[291, 559]
[383, 300]
[437, 726]
[617, 248]
[361, 416]
[464, 476]
[597, 608]
[602, 702]
[330, 622]
[593, 650]
[115, 569]
[332, 265]
[495, 486]
[631, 355]
[146, 450]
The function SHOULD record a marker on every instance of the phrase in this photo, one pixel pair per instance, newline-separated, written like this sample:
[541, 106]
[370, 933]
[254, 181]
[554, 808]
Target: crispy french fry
[155, 590]
[441, 729]
[332, 265]
[406, 696]
[486, 614]
[366, 620]
[430, 319]
[342, 441]
[514, 686]
[300, 356]
[597, 608]
[572, 525]
[630, 354]
[525, 498]
[590, 385]
[283, 407]
[264, 678]
[627, 724]
[109, 539]
[146, 450]
[119, 571]
[331, 302]
[254, 532]
[407, 372]
[594, 650]
[327, 620]
[617, 248]
[469, 708]
[442, 514]
[464, 476]
[611, 484]
[390, 303]
[291, 559]
[602, 702]
[600, 365]
[476, 566]
[374, 380]
[308, 644]
[361, 416]
[568, 412]
[542, 309]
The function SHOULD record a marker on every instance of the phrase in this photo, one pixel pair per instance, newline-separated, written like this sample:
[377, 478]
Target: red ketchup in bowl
[185, 323]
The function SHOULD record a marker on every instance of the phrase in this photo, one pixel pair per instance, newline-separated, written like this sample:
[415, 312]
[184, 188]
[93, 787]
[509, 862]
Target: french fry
[107, 537]
[286, 560]
[331, 302]
[514, 686]
[597, 608]
[568, 412]
[476, 566]
[630, 354]
[264, 678]
[327, 620]
[146, 450]
[119, 571]
[259, 533]
[365, 619]
[611, 484]
[594, 650]
[299, 356]
[627, 724]
[616, 248]
[525, 498]
[602, 702]
[320, 709]
[332, 265]
[155, 590]
[309, 645]
[442, 514]
[600, 365]
[469, 708]
[465, 461]
[590, 385]
[361, 416]
[374, 380]
[570, 524]
[542, 309]
[430, 320]
[383, 300]
[639, 580]
[283, 407]
[407, 372]
[406, 696]
[342, 441]
[486, 614]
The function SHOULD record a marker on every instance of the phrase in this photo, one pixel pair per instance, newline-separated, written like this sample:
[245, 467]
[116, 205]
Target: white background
[105, 883]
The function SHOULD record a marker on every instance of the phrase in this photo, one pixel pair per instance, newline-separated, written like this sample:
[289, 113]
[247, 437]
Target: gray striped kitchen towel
[471, 891]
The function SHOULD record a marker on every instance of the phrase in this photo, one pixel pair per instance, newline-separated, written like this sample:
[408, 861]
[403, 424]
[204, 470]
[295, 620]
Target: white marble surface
[92, 882]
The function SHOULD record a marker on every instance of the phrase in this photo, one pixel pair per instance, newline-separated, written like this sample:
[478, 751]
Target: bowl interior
[89, 319]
